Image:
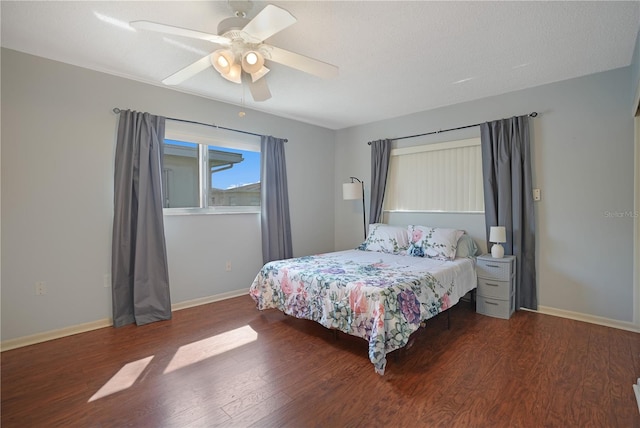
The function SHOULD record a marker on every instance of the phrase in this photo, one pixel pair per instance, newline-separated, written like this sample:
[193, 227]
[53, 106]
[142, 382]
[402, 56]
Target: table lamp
[497, 235]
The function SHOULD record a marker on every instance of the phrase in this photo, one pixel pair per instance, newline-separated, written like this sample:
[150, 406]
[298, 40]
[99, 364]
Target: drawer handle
[490, 303]
[493, 285]
[494, 266]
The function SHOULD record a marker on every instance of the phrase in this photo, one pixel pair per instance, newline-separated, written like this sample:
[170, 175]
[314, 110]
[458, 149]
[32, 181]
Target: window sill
[210, 211]
[434, 211]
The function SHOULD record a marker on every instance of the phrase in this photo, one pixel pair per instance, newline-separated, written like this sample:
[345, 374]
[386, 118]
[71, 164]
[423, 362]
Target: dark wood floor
[227, 364]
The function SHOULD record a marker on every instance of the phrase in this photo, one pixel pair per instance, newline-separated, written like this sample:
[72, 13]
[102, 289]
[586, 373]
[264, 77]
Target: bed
[381, 291]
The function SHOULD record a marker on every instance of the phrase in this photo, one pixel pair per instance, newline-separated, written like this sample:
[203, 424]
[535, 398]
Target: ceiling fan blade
[259, 90]
[259, 74]
[268, 22]
[189, 71]
[178, 31]
[301, 62]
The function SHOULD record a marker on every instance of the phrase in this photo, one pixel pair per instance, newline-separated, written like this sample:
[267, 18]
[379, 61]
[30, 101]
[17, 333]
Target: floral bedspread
[379, 297]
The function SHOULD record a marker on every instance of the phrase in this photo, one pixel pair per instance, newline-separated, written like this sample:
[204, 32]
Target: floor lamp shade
[351, 191]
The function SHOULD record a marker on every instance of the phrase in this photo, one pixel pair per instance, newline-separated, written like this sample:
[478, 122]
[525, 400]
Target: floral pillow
[386, 239]
[432, 242]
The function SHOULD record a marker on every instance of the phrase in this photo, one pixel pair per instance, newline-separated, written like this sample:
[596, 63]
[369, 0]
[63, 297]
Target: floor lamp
[355, 190]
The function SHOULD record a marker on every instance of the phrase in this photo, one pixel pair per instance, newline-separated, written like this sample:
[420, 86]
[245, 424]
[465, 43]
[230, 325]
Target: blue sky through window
[246, 172]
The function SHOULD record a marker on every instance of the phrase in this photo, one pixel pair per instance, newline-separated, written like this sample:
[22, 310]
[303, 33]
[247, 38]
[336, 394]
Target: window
[436, 177]
[208, 170]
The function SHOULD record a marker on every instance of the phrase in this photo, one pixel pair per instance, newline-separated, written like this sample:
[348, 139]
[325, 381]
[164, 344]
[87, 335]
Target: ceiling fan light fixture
[252, 61]
[242, 51]
[251, 58]
[234, 74]
[222, 60]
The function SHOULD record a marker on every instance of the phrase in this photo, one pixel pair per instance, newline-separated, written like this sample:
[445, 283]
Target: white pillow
[434, 242]
[466, 247]
[386, 239]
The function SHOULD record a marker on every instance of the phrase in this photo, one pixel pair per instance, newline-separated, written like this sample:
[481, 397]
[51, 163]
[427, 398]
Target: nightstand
[496, 294]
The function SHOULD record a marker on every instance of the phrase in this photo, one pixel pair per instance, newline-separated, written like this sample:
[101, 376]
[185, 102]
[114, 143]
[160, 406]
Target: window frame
[205, 136]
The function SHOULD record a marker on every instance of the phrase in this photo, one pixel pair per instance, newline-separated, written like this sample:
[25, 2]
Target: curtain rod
[532, 114]
[116, 110]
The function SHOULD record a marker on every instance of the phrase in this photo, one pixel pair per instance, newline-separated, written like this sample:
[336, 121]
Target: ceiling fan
[243, 52]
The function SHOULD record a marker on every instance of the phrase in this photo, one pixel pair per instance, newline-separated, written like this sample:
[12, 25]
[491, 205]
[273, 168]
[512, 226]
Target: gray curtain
[140, 277]
[276, 225]
[380, 155]
[508, 199]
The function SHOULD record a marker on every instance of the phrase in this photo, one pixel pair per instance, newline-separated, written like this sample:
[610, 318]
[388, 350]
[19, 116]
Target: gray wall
[635, 71]
[58, 138]
[57, 174]
[583, 163]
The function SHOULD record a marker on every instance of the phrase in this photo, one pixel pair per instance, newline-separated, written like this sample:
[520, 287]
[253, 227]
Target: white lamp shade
[222, 60]
[252, 62]
[351, 191]
[234, 74]
[498, 234]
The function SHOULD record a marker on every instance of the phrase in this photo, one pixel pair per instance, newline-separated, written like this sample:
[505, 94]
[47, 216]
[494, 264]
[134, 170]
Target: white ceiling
[395, 57]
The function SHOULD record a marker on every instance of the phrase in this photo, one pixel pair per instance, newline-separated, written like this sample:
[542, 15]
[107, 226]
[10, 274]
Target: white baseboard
[94, 325]
[210, 299]
[622, 325]
[19, 342]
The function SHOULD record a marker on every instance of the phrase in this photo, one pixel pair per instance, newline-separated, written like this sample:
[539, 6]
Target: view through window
[197, 175]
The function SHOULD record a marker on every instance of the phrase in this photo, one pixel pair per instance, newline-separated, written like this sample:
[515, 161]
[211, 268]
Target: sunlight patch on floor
[122, 380]
[211, 346]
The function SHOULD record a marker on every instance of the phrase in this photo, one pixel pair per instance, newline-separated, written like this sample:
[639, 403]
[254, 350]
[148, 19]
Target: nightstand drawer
[494, 288]
[500, 271]
[494, 307]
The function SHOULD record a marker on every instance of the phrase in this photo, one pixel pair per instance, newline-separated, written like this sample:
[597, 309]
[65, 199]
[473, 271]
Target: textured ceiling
[395, 57]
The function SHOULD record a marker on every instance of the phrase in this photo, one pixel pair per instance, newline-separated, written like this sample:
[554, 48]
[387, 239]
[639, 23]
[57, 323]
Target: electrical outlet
[106, 280]
[227, 266]
[41, 288]
[536, 194]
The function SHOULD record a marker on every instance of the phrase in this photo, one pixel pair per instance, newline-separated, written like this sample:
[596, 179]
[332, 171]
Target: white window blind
[436, 177]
